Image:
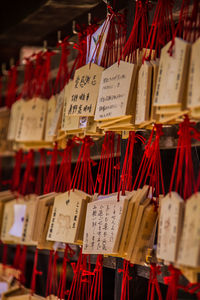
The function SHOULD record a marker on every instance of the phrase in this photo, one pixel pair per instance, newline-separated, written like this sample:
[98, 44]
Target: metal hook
[74, 27]
[89, 18]
[11, 62]
[59, 36]
[3, 69]
[45, 45]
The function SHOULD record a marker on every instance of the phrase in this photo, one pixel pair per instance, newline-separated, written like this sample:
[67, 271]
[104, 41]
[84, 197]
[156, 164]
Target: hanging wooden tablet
[4, 121]
[137, 223]
[65, 118]
[127, 223]
[115, 92]
[143, 93]
[189, 246]
[42, 242]
[32, 120]
[155, 65]
[144, 234]
[51, 107]
[127, 238]
[14, 119]
[68, 210]
[16, 291]
[169, 227]
[3, 199]
[172, 74]
[41, 218]
[84, 91]
[102, 226]
[29, 220]
[193, 96]
[56, 119]
[13, 221]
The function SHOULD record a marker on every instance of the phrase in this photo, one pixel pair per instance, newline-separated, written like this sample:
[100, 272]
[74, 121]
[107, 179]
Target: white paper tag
[3, 287]
[19, 216]
[83, 122]
[94, 40]
[58, 245]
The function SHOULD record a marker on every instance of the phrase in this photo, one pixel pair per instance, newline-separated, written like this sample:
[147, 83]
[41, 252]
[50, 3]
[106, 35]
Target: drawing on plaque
[64, 222]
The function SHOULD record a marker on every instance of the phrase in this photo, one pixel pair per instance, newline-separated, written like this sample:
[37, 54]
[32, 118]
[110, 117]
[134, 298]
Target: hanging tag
[56, 120]
[59, 245]
[189, 246]
[32, 120]
[144, 234]
[83, 96]
[169, 228]
[3, 287]
[193, 97]
[115, 97]
[4, 121]
[127, 238]
[143, 93]
[42, 242]
[8, 221]
[19, 217]
[139, 210]
[172, 74]
[31, 208]
[42, 220]
[14, 119]
[65, 117]
[51, 107]
[102, 227]
[69, 211]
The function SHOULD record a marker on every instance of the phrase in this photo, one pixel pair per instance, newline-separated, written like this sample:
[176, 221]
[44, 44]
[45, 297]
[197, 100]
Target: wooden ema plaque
[169, 228]
[68, 210]
[51, 107]
[103, 226]
[32, 120]
[189, 246]
[14, 119]
[115, 97]
[143, 93]
[172, 77]
[84, 91]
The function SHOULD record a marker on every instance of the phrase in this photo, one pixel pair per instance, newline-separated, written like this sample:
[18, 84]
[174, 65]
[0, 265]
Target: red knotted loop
[162, 28]
[82, 176]
[173, 283]
[96, 292]
[22, 265]
[139, 33]
[108, 171]
[183, 170]
[62, 282]
[125, 280]
[63, 75]
[193, 288]
[52, 173]
[35, 272]
[17, 257]
[127, 169]
[63, 179]
[15, 184]
[27, 186]
[11, 93]
[150, 170]
[5, 254]
[41, 175]
[153, 283]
